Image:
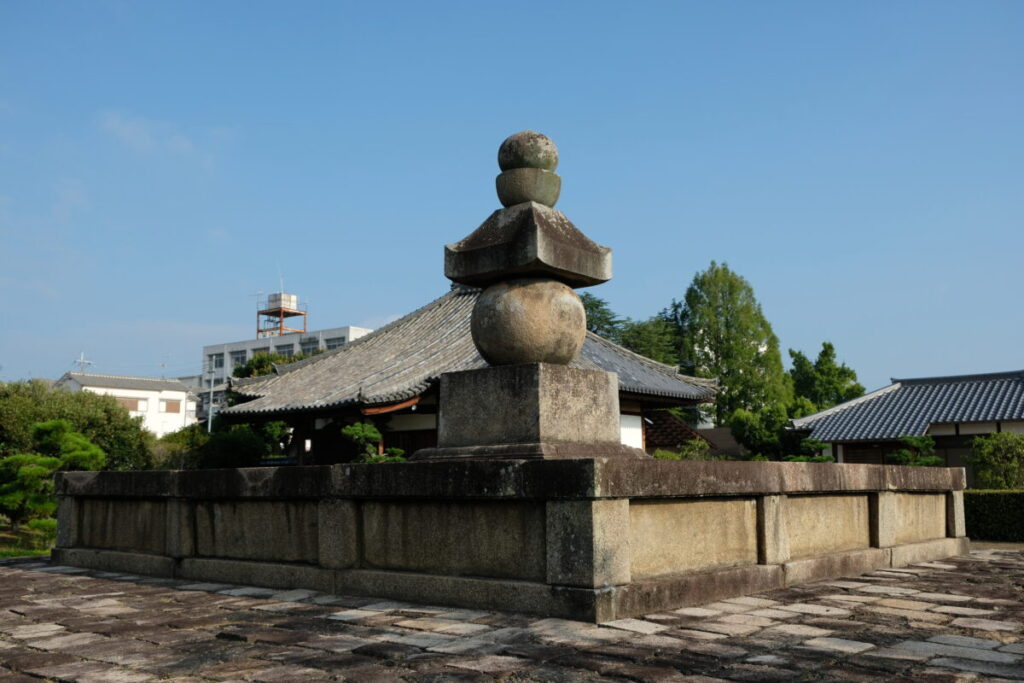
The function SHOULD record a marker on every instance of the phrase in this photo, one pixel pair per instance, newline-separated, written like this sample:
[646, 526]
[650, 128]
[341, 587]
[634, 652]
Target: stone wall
[589, 539]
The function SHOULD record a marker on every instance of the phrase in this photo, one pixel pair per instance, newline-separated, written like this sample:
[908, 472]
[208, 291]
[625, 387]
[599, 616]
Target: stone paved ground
[955, 620]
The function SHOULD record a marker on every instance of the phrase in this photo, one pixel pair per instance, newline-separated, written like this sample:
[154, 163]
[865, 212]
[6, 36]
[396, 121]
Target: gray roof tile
[908, 406]
[89, 379]
[403, 359]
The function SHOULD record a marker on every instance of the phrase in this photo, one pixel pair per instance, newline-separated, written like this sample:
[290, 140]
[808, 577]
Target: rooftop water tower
[274, 313]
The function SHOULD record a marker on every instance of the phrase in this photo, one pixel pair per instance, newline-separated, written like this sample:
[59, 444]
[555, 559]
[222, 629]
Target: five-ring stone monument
[529, 502]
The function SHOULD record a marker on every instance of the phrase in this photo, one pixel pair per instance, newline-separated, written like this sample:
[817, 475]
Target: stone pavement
[956, 620]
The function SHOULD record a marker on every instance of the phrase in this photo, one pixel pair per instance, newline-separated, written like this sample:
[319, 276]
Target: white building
[222, 359]
[164, 405]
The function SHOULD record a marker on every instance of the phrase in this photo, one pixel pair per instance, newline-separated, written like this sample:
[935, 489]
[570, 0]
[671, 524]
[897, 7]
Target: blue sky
[859, 163]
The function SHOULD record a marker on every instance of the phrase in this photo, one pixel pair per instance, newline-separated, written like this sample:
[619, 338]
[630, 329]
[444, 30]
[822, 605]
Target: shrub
[994, 515]
[998, 461]
[809, 458]
[238, 447]
[366, 437]
[99, 418]
[916, 452]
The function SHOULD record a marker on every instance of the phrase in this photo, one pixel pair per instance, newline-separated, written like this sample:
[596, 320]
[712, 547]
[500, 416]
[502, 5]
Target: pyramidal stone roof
[405, 358]
[908, 406]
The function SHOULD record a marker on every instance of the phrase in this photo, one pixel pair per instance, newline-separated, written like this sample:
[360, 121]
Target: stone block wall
[589, 539]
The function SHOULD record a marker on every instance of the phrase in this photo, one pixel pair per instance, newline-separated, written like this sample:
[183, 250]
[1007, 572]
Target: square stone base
[536, 410]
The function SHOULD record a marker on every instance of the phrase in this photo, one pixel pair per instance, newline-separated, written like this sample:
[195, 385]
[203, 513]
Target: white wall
[631, 429]
[153, 419]
[271, 345]
[631, 426]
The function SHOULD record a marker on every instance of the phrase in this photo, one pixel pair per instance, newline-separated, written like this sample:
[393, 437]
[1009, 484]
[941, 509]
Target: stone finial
[528, 161]
[528, 238]
[528, 257]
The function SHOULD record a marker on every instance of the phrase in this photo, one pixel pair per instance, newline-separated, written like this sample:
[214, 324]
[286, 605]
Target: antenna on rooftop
[82, 362]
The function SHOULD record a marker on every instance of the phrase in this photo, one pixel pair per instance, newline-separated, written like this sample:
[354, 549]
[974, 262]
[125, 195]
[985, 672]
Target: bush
[241, 446]
[998, 461]
[99, 418]
[366, 438]
[917, 452]
[694, 449]
[994, 515]
[809, 458]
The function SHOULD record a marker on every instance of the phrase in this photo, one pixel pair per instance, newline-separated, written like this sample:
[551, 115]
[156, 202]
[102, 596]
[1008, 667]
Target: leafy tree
[761, 431]
[366, 437]
[238, 446]
[600, 318]
[998, 461]
[26, 479]
[56, 439]
[263, 363]
[723, 334]
[180, 449]
[765, 432]
[917, 452]
[26, 487]
[97, 417]
[824, 382]
[653, 338]
[810, 451]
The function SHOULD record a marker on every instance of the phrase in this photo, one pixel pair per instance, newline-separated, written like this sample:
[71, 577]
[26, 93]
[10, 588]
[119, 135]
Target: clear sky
[860, 163]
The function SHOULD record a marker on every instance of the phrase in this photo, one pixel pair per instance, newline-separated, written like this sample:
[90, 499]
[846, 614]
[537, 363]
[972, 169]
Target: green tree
[653, 338]
[724, 334]
[263, 363]
[99, 418]
[916, 452]
[237, 446]
[824, 382]
[26, 487]
[180, 450]
[367, 438]
[998, 461]
[56, 439]
[600, 318]
[26, 479]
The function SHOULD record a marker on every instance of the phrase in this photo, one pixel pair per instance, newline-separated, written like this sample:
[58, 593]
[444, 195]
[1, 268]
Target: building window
[285, 349]
[169, 406]
[237, 358]
[262, 349]
[310, 347]
[334, 342]
[216, 360]
[134, 405]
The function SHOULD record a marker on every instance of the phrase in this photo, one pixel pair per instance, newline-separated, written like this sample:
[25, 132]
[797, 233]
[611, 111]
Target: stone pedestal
[533, 410]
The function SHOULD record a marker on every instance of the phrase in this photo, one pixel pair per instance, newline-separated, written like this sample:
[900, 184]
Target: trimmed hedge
[995, 515]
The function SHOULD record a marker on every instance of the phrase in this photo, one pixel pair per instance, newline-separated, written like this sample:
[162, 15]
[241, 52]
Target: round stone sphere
[528, 320]
[528, 149]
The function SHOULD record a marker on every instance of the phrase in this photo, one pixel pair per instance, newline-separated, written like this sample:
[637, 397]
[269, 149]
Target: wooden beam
[390, 408]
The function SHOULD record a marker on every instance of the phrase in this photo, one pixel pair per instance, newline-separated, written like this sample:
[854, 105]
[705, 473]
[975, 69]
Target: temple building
[391, 376]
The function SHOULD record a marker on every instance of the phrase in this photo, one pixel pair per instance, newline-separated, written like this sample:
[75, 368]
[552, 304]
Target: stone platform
[596, 540]
[957, 620]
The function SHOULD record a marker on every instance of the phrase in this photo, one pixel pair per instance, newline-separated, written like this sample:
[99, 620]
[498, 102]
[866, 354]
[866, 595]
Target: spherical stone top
[528, 320]
[528, 149]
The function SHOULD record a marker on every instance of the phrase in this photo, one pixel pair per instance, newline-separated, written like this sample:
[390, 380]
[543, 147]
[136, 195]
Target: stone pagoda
[529, 325]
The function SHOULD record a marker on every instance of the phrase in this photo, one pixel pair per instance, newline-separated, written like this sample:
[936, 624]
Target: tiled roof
[88, 379]
[403, 359]
[908, 406]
